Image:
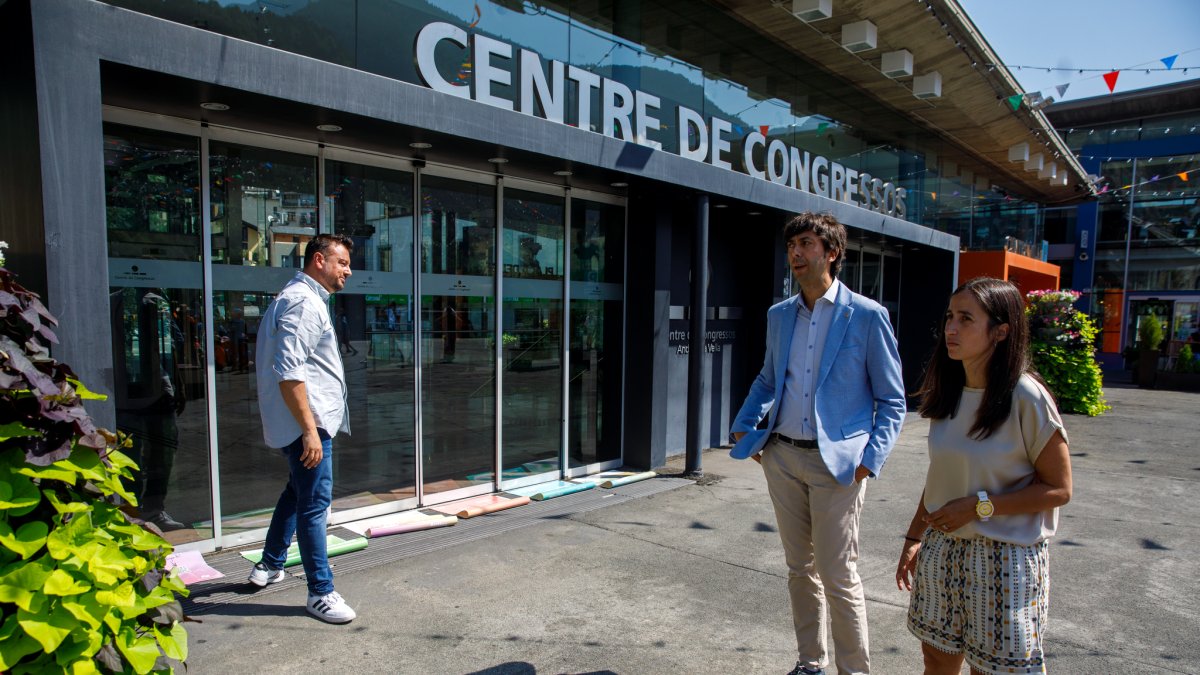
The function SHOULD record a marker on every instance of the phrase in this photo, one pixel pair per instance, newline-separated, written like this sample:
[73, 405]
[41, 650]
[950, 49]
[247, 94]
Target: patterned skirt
[982, 598]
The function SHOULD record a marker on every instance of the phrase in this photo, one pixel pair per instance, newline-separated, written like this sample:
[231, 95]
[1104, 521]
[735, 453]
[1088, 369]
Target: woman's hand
[955, 514]
[907, 567]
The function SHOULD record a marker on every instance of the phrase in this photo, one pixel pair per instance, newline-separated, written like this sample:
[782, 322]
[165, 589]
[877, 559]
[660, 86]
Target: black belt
[798, 442]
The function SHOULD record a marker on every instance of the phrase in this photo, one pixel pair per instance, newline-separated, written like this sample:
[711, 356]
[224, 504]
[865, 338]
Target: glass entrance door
[534, 229]
[458, 349]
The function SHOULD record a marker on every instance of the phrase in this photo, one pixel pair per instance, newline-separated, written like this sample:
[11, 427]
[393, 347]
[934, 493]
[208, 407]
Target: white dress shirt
[797, 418]
[297, 343]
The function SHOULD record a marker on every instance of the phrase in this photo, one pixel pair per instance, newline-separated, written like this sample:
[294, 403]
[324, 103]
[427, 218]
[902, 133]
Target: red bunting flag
[1111, 80]
[764, 129]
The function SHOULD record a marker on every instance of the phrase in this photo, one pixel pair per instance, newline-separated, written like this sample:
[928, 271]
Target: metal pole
[1128, 241]
[696, 343]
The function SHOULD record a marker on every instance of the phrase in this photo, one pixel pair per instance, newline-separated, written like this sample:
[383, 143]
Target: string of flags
[1036, 100]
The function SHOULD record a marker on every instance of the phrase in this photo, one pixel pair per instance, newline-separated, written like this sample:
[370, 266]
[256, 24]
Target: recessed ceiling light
[213, 105]
[756, 213]
[328, 127]
[619, 184]
[498, 160]
[562, 173]
[420, 146]
[720, 206]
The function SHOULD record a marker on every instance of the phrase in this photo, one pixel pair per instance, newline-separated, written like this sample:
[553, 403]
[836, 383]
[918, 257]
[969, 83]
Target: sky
[1074, 34]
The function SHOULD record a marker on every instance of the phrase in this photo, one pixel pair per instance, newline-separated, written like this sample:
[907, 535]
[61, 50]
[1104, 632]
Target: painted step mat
[478, 506]
[334, 545]
[398, 523]
[612, 479]
[558, 488]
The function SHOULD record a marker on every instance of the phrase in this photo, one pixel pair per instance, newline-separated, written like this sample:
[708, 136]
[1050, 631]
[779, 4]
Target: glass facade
[684, 54]
[419, 434]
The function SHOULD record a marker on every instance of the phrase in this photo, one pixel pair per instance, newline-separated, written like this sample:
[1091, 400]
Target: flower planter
[1177, 381]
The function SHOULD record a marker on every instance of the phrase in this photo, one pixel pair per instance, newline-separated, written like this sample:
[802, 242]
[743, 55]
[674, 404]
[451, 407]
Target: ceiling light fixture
[498, 160]
[213, 105]
[328, 127]
[419, 145]
[720, 206]
[619, 184]
[564, 173]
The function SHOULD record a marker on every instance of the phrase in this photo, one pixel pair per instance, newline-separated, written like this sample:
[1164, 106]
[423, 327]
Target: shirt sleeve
[297, 335]
[1039, 418]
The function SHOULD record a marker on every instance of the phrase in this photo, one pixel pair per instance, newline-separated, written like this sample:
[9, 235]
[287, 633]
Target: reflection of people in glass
[237, 338]
[149, 396]
[528, 265]
[450, 325]
[343, 331]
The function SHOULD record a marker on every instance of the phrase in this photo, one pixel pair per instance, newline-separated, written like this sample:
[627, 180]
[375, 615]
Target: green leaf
[141, 652]
[79, 648]
[61, 583]
[28, 576]
[86, 609]
[49, 629]
[121, 596]
[173, 641]
[86, 462]
[85, 393]
[71, 537]
[52, 472]
[65, 507]
[109, 564]
[18, 492]
[16, 430]
[27, 540]
[14, 649]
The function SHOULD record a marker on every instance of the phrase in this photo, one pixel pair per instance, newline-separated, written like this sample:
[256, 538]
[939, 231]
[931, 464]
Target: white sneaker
[261, 575]
[331, 608]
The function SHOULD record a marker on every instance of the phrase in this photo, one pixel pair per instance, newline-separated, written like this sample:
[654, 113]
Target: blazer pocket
[852, 429]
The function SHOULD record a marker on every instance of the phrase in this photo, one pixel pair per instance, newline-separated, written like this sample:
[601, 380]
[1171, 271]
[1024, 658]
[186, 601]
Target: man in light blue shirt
[832, 386]
[302, 400]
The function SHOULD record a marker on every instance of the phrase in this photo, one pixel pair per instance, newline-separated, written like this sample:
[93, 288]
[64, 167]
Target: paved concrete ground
[693, 580]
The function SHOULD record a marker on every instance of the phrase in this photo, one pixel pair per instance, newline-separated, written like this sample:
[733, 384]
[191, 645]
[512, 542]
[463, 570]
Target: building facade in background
[526, 184]
[1135, 252]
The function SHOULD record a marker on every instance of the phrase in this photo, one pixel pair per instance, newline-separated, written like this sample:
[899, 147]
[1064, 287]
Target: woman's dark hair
[941, 388]
[323, 242]
[827, 228]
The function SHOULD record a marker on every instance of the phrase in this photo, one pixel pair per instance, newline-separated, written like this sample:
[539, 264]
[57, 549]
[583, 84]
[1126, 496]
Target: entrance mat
[478, 506]
[209, 596]
[334, 545]
[612, 479]
[396, 523]
[557, 488]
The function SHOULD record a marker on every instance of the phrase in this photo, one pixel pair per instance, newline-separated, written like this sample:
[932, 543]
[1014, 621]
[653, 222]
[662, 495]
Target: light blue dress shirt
[297, 343]
[796, 407]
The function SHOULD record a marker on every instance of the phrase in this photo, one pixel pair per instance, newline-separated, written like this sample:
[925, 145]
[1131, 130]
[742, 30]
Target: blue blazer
[860, 390]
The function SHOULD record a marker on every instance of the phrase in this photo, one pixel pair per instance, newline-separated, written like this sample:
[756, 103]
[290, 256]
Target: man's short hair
[831, 233]
[323, 242]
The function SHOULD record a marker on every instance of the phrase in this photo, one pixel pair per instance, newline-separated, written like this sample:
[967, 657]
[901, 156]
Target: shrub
[1150, 333]
[83, 587]
[1062, 346]
[1185, 361]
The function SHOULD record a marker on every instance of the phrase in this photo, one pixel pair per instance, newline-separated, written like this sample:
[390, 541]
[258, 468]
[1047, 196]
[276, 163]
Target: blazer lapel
[787, 328]
[837, 332]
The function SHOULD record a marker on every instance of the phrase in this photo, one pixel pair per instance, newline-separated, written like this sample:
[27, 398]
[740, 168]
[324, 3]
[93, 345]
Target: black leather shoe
[802, 669]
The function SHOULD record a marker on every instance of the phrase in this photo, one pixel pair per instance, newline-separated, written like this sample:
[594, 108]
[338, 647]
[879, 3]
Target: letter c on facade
[427, 41]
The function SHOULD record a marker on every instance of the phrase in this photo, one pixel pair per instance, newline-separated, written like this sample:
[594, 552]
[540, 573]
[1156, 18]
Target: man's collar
[831, 293]
[312, 283]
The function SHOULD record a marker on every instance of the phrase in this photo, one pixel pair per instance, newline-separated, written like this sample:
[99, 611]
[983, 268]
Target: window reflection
[157, 326]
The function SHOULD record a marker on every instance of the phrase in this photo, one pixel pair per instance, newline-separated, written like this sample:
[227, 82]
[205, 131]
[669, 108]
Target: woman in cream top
[975, 554]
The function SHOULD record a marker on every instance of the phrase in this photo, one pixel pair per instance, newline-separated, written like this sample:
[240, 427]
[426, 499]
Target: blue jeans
[301, 510]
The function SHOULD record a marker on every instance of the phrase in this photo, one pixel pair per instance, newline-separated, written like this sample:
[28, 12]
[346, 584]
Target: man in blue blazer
[832, 391]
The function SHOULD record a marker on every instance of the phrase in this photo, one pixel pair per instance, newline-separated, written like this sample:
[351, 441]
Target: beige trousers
[818, 523]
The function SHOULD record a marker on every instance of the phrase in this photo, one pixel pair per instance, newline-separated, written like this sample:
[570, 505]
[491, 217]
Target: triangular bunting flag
[822, 127]
[764, 129]
[1015, 101]
[1062, 89]
[1169, 61]
[1183, 176]
[1111, 80]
